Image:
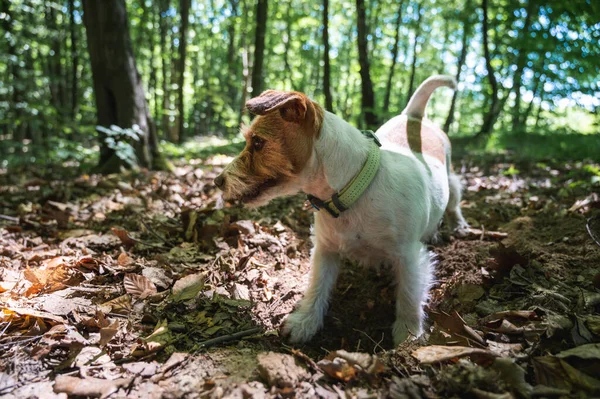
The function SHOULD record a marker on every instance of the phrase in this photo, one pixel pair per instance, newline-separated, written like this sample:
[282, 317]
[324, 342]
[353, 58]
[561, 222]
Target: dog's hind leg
[454, 217]
[303, 323]
[414, 275]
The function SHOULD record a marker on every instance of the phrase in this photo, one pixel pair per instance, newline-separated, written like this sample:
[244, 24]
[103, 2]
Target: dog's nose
[219, 181]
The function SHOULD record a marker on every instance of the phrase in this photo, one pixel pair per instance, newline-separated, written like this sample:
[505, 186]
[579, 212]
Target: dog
[293, 146]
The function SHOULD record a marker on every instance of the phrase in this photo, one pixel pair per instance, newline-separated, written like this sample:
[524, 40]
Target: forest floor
[137, 285]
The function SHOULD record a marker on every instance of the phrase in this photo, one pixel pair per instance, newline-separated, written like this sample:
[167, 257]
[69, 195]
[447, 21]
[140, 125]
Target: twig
[589, 229]
[281, 298]
[154, 233]
[5, 328]
[230, 337]
[17, 342]
[10, 218]
[303, 356]
[377, 344]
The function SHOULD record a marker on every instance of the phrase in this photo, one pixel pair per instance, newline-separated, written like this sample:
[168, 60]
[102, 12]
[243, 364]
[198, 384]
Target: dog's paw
[301, 326]
[402, 331]
[462, 230]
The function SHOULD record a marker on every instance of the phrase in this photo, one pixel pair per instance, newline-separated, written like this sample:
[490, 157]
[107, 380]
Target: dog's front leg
[304, 323]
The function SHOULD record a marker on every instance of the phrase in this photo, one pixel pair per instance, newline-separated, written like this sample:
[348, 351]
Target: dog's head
[279, 143]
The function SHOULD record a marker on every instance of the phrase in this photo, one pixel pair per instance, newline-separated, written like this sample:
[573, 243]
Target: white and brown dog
[293, 146]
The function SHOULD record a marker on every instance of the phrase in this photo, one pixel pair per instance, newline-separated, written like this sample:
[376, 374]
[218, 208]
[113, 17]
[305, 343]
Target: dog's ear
[291, 105]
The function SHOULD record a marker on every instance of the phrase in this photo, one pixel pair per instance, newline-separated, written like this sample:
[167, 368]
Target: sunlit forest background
[528, 70]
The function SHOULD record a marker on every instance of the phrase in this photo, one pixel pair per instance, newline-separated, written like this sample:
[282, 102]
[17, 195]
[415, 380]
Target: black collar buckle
[319, 204]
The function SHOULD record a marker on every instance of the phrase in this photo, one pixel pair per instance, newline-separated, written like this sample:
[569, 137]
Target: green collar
[348, 195]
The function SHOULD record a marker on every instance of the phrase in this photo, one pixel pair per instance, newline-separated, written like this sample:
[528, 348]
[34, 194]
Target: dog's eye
[257, 143]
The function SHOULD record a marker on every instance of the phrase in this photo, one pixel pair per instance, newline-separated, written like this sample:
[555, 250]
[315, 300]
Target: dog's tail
[418, 101]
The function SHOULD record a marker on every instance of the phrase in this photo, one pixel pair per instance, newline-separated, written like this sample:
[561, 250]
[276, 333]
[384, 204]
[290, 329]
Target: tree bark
[165, 65]
[521, 59]
[74, 61]
[18, 133]
[57, 83]
[491, 115]
[394, 53]
[232, 82]
[368, 96]
[118, 89]
[539, 83]
[413, 67]
[461, 62]
[185, 19]
[326, 61]
[259, 47]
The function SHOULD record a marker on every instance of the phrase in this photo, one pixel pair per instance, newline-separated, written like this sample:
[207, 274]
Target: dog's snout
[220, 181]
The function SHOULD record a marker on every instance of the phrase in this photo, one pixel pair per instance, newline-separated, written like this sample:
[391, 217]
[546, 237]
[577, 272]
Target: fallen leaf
[138, 286]
[121, 305]
[92, 387]
[590, 351]
[346, 366]
[241, 292]
[438, 353]
[157, 276]
[123, 235]
[188, 287]
[108, 333]
[124, 259]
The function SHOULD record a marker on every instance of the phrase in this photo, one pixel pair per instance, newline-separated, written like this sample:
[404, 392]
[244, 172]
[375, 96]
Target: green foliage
[119, 140]
[47, 93]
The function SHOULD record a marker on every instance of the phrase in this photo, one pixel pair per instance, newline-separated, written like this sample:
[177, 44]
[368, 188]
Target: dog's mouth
[258, 190]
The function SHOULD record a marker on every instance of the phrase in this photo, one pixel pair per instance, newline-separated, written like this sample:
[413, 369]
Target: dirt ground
[145, 285]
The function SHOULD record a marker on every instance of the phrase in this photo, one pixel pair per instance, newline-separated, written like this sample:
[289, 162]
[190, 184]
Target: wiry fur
[388, 224]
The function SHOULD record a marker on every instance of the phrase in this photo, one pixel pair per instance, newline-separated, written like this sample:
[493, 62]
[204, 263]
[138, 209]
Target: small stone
[244, 227]
[280, 370]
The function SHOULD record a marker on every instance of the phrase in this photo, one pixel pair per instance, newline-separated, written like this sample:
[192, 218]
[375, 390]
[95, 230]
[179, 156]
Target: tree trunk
[165, 66]
[368, 97]
[326, 64]
[57, 87]
[539, 110]
[18, 132]
[245, 62]
[413, 67]
[286, 41]
[118, 89]
[74, 61]
[461, 62]
[536, 87]
[394, 52]
[491, 115]
[185, 19]
[259, 47]
[232, 82]
[521, 59]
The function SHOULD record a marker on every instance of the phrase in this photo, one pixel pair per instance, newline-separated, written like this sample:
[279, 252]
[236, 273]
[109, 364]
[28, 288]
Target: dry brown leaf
[50, 280]
[121, 305]
[124, 259]
[12, 312]
[108, 333]
[338, 369]
[123, 235]
[439, 353]
[96, 322]
[88, 263]
[93, 387]
[138, 286]
[57, 261]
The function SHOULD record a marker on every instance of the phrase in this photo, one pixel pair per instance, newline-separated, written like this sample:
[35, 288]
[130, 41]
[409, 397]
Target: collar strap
[348, 195]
